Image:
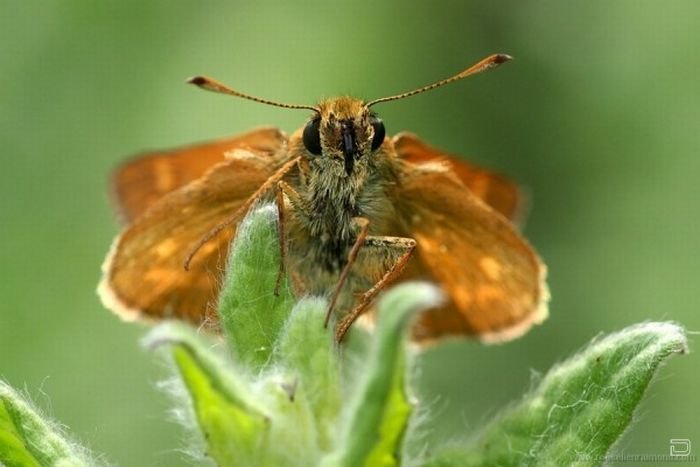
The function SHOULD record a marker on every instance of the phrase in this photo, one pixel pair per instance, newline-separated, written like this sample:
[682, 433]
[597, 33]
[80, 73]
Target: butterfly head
[343, 132]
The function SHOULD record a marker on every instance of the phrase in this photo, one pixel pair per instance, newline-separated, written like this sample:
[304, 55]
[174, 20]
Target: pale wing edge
[108, 296]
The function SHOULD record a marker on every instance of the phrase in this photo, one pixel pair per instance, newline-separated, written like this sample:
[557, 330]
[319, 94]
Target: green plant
[275, 389]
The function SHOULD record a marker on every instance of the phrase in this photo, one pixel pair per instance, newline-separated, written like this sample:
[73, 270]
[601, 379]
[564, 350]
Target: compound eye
[379, 132]
[312, 136]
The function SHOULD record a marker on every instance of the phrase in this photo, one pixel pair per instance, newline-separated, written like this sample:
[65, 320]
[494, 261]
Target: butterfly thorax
[333, 201]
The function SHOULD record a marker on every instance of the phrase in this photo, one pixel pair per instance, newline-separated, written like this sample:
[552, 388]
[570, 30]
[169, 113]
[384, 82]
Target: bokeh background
[599, 116]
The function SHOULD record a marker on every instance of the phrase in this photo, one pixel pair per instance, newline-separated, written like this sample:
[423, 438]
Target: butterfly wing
[494, 189]
[140, 182]
[143, 275]
[494, 279]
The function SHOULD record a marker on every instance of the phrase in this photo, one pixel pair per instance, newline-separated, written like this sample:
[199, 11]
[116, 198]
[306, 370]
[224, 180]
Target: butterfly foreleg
[269, 184]
[285, 195]
[398, 248]
[361, 225]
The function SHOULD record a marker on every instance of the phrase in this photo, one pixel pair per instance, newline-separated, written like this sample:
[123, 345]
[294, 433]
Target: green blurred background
[598, 116]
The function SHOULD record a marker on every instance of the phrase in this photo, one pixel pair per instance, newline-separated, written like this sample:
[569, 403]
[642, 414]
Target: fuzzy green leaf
[234, 426]
[306, 350]
[294, 437]
[580, 408]
[378, 413]
[250, 313]
[27, 439]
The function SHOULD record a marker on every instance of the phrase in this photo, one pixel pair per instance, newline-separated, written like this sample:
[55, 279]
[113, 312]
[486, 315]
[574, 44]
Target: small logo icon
[679, 447]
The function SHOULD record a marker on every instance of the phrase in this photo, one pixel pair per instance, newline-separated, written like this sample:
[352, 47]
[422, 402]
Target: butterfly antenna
[213, 85]
[492, 61]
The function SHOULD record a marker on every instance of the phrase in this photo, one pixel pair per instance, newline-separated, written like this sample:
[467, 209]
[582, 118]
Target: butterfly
[358, 210]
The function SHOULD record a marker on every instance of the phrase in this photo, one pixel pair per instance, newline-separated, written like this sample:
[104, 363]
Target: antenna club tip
[197, 80]
[501, 58]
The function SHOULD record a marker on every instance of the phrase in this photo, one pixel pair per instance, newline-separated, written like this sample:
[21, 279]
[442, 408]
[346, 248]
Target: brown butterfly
[357, 211]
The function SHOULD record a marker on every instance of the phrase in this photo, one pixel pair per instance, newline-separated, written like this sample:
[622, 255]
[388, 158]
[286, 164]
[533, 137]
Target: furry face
[342, 136]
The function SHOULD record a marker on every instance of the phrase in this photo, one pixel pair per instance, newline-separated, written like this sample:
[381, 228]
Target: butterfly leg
[402, 249]
[279, 199]
[285, 194]
[259, 193]
[363, 226]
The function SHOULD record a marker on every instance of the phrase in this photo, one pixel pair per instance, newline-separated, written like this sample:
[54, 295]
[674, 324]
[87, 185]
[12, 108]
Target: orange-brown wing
[143, 180]
[143, 275]
[494, 280]
[496, 190]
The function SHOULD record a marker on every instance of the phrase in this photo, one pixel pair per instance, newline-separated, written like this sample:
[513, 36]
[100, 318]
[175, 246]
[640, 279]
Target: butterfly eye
[379, 132]
[312, 136]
